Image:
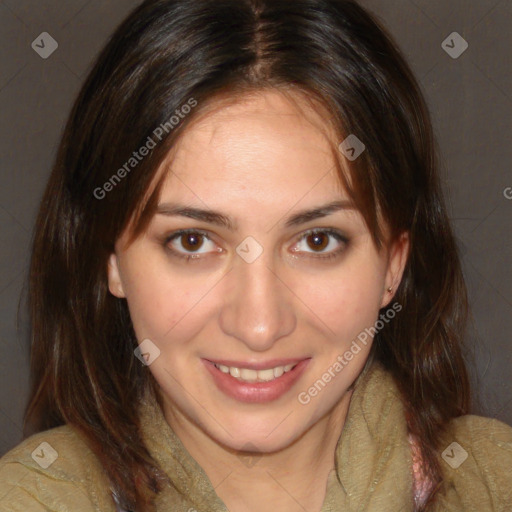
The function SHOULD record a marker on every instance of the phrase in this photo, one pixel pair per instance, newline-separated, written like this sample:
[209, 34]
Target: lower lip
[255, 392]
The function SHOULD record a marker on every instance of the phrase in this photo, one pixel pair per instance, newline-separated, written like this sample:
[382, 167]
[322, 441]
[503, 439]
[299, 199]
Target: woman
[245, 291]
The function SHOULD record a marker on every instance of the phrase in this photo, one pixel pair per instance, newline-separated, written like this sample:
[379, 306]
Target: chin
[268, 436]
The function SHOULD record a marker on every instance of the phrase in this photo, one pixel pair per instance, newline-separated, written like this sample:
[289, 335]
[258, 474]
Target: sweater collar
[373, 468]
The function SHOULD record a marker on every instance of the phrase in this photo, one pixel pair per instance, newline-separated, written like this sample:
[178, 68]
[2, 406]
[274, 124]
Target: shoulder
[53, 470]
[477, 461]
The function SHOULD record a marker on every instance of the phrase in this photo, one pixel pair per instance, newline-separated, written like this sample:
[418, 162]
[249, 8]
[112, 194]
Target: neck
[291, 479]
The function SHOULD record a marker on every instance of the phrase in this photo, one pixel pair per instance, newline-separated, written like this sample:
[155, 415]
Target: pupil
[319, 240]
[192, 241]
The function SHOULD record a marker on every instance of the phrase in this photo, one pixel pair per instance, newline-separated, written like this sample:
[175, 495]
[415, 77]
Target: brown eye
[318, 241]
[191, 245]
[321, 244]
[191, 241]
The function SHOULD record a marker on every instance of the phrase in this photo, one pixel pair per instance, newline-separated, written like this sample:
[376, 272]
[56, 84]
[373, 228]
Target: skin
[258, 161]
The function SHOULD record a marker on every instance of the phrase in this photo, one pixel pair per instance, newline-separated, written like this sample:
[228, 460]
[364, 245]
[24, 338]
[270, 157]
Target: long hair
[172, 53]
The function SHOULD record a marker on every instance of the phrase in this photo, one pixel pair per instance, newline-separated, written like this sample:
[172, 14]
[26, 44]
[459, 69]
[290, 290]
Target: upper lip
[261, 365]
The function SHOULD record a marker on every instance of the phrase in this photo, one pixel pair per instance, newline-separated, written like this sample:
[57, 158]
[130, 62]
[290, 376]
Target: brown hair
[164, 54]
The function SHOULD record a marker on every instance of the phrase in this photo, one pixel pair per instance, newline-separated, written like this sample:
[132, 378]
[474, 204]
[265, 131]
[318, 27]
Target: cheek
[163, 304]
[152, 297]
[347, 300]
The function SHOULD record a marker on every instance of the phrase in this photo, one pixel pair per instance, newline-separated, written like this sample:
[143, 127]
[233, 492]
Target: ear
[115, 284]
[398, 255]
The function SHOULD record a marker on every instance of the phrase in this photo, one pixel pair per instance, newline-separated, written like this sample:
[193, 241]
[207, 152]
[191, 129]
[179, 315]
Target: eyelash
[327, 231]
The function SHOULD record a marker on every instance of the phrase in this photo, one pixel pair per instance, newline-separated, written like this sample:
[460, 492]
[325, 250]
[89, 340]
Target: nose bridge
[259, 310]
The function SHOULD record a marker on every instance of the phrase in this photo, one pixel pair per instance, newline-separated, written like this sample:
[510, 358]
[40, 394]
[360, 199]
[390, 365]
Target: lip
[256, 392]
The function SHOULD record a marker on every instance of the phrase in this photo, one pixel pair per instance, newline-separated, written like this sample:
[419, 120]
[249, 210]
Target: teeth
[265, 375]
[249, 375]
[278, 371]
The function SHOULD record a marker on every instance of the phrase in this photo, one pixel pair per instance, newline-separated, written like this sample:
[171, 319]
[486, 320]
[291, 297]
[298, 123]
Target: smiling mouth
[250, 375]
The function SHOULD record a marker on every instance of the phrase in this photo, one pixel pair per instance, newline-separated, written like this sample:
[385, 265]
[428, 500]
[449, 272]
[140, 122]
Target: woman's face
[249, 288]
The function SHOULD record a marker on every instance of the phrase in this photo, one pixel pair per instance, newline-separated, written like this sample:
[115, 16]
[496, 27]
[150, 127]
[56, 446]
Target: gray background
[470, 100]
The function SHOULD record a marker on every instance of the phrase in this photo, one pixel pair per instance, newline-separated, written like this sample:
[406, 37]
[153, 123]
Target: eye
[192, 244]
[328, 243]
[188, 242]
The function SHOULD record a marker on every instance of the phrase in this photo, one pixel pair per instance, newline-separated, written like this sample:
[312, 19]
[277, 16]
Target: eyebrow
[214, 217]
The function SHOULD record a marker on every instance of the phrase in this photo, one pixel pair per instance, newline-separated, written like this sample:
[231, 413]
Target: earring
[390, 289]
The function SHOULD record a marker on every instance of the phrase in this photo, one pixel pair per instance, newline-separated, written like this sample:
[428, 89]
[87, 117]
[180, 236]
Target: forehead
[264, 142]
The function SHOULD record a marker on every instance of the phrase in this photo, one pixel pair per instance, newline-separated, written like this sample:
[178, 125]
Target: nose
[258, 309]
